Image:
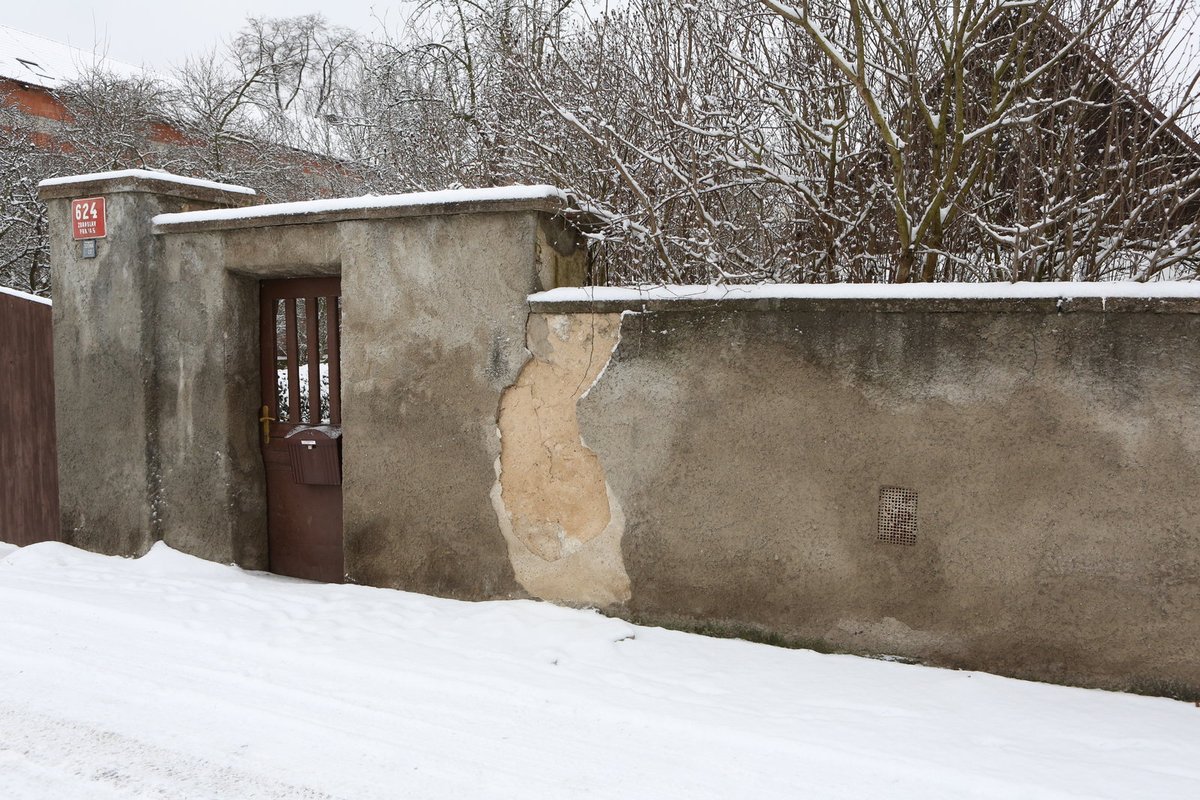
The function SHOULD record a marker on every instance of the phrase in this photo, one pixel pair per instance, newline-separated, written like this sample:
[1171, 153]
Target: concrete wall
[684, 461]
[160, 378]
[431, 340]
[106, 369]
[1054, 450]
[433, 306]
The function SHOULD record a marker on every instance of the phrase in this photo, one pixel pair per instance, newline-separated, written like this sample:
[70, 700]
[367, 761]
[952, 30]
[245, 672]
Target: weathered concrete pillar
[106, 314]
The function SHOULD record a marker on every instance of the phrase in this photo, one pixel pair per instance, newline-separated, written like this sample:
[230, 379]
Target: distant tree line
[731, 141]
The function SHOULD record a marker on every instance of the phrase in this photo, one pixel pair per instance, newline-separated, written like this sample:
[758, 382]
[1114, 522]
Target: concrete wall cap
[144, 180]
[416, 204]
[1161, 296]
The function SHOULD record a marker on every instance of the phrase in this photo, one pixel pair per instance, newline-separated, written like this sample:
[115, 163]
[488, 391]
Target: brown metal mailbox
[316, 455]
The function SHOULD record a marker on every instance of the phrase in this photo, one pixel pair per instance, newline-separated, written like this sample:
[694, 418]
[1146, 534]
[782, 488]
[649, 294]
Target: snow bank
[411, 200]
[168, 676]
[24, 295]
[875, 291]
[147, 174]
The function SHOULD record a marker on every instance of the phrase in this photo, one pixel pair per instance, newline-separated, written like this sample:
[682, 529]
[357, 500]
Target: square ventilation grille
[897, 516]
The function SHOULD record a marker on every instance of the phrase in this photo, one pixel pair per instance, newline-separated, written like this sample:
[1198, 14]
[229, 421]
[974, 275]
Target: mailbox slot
[316, 455]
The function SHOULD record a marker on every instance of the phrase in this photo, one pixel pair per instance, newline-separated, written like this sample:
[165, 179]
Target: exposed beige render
[561, 520]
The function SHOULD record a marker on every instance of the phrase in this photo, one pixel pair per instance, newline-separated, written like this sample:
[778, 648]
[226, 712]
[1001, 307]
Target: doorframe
[240, 280]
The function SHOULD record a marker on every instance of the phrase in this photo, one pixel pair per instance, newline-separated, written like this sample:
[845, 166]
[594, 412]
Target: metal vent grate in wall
[897, 515]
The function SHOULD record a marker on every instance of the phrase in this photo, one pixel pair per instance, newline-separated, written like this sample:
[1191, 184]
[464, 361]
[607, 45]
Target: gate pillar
[107, 298]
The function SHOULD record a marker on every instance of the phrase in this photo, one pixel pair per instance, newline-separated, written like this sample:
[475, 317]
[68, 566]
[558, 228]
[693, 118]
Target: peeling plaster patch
[561, 520]
[592, 575]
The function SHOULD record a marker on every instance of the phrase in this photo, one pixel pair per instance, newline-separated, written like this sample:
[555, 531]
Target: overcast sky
[133, 32]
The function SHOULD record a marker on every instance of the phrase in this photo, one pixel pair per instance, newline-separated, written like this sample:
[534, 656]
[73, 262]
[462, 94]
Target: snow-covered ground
[171, 677]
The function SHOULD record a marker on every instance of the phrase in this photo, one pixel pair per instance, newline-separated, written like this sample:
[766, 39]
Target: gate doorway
[300, 429]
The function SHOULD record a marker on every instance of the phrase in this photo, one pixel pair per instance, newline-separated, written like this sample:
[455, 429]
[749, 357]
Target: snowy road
[170, 677]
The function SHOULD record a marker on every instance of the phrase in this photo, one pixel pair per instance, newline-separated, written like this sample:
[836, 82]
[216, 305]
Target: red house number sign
[88, 218]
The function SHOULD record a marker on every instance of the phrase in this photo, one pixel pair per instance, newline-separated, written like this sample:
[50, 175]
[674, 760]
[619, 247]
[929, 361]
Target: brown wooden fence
[28, 466]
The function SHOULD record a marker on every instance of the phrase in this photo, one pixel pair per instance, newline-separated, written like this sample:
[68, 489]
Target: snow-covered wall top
[633, 296]
[314, 210]
[149, 175]
[24, 295]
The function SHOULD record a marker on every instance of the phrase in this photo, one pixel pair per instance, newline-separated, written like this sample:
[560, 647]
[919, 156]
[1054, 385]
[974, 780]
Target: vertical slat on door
[333, 345]
[313, 323]
[266, 327]
[293, 362]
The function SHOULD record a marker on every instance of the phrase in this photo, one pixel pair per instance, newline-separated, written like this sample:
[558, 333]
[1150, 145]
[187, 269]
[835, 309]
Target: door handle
[266, 419]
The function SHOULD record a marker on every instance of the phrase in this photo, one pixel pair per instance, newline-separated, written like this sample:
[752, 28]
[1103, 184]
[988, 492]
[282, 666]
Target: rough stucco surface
[194, 387]
[209, 387]
[107, 322]
[725, 465]
[434, 315]
[1055, 456]
[562, 524]
[158, 381]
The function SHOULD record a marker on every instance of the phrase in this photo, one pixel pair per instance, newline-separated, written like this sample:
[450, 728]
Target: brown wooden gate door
[300, 426]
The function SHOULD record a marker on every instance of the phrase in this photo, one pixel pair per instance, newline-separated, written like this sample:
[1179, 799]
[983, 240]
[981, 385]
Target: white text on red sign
[88, 218]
